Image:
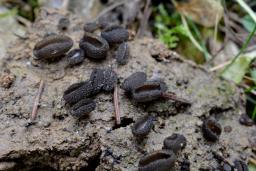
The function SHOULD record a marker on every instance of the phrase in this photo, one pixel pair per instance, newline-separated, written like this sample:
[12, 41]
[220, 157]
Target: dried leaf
[237, 70]
[204, 12]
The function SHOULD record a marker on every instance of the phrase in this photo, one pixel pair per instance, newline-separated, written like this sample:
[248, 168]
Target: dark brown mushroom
[75, 56]
[115, 34]
[175, 142]
[142, 126]
[211, 129]
[94, 46]
[82, 108]
[161, 160]
[134, 80]
[122, 54]
[52, 47]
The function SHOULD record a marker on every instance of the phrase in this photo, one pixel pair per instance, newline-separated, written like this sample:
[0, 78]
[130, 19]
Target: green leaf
[252, 167]
[160, 26]
[248, 23]
[237, 70]
[180, 30]
[162, 10]
[9, 13]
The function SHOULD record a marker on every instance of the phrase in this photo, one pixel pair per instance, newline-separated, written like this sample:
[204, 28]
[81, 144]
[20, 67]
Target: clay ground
[59, 141]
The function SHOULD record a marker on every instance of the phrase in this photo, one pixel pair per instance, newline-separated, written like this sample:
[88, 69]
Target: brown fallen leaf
[203, 12]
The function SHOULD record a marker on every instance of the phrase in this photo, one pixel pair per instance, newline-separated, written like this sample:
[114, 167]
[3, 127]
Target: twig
[144, 19]
[109, 8]
[217, 67]
[116, 106]
[193, 40]
[253, 161]
[216, 27]
[65, 4]
[172, 96]
[36, 103]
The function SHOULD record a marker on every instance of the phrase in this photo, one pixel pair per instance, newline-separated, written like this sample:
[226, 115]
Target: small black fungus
[122, 54]
[73, 87]
[91, 27]
[162, 84]
[83, 107]
[100, 80]
[94, 46]
[134, 80]
[226, 167]
[110, 78]
[240, 165]
[115, 34]
[78, 91]
[185, 165]
[142, 126]
[52, 46]
[246, 120]
[97, 79]
[157, 161]
[175, 142]
[211, 129]
[103, 79]
[148, 91]
[63, 23]
[75, 56]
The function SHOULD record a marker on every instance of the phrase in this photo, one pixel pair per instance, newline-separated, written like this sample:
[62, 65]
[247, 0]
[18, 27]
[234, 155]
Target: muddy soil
[58, 141]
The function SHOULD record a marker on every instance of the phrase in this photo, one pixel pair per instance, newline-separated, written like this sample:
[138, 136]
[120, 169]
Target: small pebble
[7, 80]
[227, 129]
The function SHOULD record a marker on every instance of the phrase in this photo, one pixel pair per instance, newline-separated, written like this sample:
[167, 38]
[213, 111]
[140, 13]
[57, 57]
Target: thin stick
[144, 19]
[65, 4]
[193, 40]
[216, 27]
[222, 65]
[110, 8]
[116, 106]
[37, 100]
[172, 96]
[253, 161]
